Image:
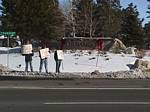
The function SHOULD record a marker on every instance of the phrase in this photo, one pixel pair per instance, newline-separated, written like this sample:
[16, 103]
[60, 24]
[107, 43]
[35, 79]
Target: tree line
[46, 19]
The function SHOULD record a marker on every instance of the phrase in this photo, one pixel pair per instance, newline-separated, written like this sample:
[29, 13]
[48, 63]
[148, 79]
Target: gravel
[132, 74]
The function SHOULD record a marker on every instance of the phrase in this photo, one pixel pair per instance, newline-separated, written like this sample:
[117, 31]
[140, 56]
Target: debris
[117, 46]
[141, 64]
[92, 58]
[3, 68]
[131, 50]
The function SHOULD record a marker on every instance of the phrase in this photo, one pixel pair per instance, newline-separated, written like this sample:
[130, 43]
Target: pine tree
[132, 27]
[147, 34]
[37, 19]
[84, 18]
[147, 27]
[66, 8]
[148, 9]
[109, 15]
[93, 17]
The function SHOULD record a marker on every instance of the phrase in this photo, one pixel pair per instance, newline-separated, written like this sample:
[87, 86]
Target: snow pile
[4, 50]
[133, 74]
[3, 68]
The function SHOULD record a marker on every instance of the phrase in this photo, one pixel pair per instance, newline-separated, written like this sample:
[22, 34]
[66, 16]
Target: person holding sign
[28, 53]
[44, 54]
[58, 56]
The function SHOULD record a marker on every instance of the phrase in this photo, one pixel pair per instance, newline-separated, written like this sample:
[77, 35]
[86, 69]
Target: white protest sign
[60, 54]
[44, 53]
[27, 49]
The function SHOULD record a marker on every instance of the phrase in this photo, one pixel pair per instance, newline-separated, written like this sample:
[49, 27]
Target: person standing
[28, 61]
[28, 53]
[43, 54]
[58, 56]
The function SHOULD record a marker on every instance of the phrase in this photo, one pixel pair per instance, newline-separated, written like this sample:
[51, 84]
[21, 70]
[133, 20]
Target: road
[75, 96]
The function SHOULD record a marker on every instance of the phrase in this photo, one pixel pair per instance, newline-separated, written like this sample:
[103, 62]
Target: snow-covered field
[75, 62]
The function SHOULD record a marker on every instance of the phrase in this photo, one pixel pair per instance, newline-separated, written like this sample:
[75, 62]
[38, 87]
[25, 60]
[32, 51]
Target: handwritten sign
[60, 54]
[44, 53]
[27, 49]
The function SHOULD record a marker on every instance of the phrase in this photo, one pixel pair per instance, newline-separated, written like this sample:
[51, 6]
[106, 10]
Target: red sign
[85, 43]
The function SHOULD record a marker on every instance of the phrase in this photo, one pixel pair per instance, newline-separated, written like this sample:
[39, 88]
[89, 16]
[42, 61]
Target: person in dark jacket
[58, 62]
[28, 61]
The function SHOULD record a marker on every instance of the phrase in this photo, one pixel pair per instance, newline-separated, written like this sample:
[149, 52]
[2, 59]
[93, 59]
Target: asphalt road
[75, 96]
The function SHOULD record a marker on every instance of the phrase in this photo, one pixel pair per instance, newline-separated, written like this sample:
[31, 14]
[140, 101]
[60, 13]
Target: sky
[141, 6]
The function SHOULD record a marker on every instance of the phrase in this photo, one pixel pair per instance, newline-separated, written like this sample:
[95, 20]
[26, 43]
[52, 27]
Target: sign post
[8, 51]
[99, 46]
[8, 35]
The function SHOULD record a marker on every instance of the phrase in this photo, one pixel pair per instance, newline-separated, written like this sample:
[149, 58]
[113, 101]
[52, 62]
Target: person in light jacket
[43, 61]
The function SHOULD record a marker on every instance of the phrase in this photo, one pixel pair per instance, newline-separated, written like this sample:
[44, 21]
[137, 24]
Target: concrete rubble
[142, 65]
[3, 68]
[117, 46]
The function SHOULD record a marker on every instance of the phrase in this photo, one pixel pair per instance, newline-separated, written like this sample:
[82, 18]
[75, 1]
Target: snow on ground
[74, 62]
[3, 50]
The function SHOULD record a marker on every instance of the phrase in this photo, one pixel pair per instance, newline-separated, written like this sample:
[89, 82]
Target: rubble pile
[117, 46]
[130, 50]
[140, 70]
[132, 74]
[3, 68]
[142, 65]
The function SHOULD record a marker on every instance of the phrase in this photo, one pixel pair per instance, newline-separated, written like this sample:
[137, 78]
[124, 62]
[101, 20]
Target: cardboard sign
[44, 53]
[60, 54]
[27, 49]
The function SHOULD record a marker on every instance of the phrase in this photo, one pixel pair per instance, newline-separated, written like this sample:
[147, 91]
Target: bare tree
[68, 10]
[85, 21]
